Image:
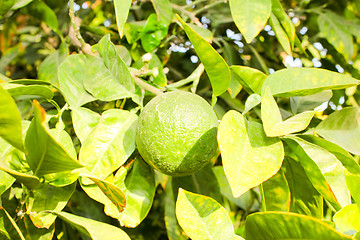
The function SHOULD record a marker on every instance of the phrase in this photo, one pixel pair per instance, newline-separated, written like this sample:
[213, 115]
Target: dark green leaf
[43, 12]
[8, 227]
[5, 6]
[32, 232]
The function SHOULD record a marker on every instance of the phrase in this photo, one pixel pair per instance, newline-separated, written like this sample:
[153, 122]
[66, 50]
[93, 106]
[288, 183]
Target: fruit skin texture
[176, 133]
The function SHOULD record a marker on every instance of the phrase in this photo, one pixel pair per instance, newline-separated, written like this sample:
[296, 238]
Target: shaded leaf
[91, 228]
[273, 225]
[48, 198]
[43, 12]
[324, 170]
[32, 232]
[10, 120]
[110, 143]
[305, 103]
[250, 16]
[9, 230]
[353, 183]
[342, 128]
[305, 199]
[6, 181]
[250, 78]
[45, 155]
[202, 217]
[5, 6]
[121, 12]
[305, 81]
[215, 66]
[274, 125]
[275, 193]
[249, 157]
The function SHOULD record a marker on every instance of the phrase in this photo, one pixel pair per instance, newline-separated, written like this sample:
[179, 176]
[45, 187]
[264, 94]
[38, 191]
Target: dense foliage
[280, 75]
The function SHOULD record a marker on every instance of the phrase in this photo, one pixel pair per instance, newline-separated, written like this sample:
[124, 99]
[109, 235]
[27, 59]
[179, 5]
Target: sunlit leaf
[91, 228]
[202, 217]
[284, 19]
[353, 183]
[153, 32]
[20, 91]
[215, 66]
[273, 225]
[250, 16]
[249, 157]
[121, 11]
[250, 78]
[280, 34]
[305, 81]
[163, 10]
[84, 121]
[347, 219]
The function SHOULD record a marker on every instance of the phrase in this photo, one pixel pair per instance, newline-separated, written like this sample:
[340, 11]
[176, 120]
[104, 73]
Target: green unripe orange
[176, 133]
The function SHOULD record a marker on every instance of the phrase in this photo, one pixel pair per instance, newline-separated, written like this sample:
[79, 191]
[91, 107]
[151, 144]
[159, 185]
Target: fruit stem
[142, 84]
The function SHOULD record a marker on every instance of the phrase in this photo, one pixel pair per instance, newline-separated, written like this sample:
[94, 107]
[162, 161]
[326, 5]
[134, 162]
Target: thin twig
[142, 84]
[85, 47]
[191, 15]
[206, 7]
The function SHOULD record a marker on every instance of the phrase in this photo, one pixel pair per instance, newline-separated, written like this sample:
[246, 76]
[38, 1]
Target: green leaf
[6, 181]
[333, 28]
[249, 157]
[347, 219]
[9, 230]
[5, 6]
[353, 183]
[139, 190]
[324, 170]
[215, 66]
[342, 155]
[305, 81]
[110, 143]
[203, 182]
[72, 73]
[121, 12]
[305, 199]
[119, 83]
[252, 101]
[280, 34]
[124, 54]
[112, 192]
[163, 10]
[342, 128]
[93, 229]
[10, 120]
[21, 3]
[275, 193]
[32, 232]
[153, 32]
[45, 155]
[47, 198]
[43, 12]
[250, 16]
[285, 20]
[202, 217]
[250, 78]
[84, 121]
[305, 103]
[273, 225]
[19, 91]
[245, 201]
[173, 229]
[274, 125]
[48, 69]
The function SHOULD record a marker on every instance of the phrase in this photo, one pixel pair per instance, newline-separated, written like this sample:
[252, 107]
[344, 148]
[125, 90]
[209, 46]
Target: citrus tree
[174, 119]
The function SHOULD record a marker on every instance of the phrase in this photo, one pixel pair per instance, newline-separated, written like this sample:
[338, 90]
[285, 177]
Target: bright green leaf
[48, 198]
[45, 155]
[43, 12]
[48, 69]
[19, 91]
[110, 143]
[215, 66]
[250, 16]
[347, 220]
[249, 157]
[324, 170]
[163, 10]
[305, 81]
[284, 19]
[353, 183]
[202, 217]
[121, 11]
[10, 120]
[21, 3]
[252, 101]
[139, 190]
[276, 226]
[342, 128]
[153, 32]
[280, 34]
[84, 121]
[6, 181]
[250, 78]
[94, 229]
[5, 6]
[274, 125]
